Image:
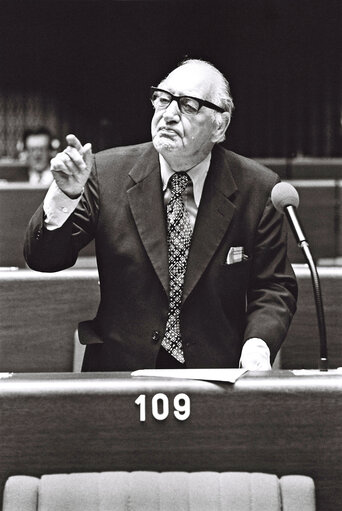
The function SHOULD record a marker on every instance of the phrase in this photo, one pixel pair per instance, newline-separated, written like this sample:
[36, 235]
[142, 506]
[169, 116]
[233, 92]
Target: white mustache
[170, 130]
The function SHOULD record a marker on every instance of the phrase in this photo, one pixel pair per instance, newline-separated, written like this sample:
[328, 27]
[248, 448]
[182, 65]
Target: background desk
[13, 170]
[305, 167]
[320, 212]
[268, 422]
[301, 347]
[39, 313]
[18, 202]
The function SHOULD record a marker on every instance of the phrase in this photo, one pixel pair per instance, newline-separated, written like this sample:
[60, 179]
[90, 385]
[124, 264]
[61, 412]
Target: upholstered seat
[153, 491]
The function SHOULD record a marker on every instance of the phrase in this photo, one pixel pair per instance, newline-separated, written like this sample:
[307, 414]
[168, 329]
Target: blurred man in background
[37, 146]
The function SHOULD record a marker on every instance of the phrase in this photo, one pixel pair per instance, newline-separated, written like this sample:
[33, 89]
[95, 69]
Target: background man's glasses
[161, 99]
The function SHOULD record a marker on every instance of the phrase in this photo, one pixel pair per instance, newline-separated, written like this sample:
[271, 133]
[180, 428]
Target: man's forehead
[189, 79]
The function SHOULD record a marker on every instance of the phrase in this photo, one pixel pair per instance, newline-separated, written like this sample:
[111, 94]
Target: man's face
[38, 152]
[187, 136]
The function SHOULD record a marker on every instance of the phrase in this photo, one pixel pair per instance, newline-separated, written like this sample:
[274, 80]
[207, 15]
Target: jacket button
[38, 235]
[156, 336]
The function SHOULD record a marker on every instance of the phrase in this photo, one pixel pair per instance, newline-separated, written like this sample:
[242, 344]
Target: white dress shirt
[57, 207]
[194, 189]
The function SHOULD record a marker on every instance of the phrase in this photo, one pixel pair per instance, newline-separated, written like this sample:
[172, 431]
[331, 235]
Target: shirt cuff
[57, 207]
[255, 355]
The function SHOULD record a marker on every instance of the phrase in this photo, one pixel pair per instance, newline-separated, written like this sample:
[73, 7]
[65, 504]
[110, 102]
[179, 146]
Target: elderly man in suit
[191, 252]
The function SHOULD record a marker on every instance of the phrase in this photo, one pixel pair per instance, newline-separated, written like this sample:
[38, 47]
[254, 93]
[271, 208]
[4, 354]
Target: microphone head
[284, 194]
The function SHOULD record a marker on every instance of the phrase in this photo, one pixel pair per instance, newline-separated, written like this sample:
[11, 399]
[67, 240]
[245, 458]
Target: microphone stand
[304, 245]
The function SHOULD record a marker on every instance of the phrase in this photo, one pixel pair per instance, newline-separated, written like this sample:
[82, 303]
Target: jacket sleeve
[272, 292]
[50, 251]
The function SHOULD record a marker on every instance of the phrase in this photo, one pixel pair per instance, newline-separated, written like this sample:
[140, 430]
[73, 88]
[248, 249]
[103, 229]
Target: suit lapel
[146, 203]
[214, 216]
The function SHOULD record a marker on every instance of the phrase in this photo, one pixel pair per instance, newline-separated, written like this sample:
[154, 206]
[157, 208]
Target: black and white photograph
[170, 255]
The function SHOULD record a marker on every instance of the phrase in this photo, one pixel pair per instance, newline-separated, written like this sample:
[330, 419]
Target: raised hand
[71, 168]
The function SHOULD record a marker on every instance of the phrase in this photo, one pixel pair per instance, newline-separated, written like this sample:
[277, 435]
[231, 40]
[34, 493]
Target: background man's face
[184, 135]
[38, 152]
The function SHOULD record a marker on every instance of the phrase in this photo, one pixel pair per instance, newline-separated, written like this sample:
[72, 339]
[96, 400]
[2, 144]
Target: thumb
[87, 155]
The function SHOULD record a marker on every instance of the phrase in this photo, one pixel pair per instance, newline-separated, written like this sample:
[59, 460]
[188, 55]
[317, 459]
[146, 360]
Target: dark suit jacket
[223, 305]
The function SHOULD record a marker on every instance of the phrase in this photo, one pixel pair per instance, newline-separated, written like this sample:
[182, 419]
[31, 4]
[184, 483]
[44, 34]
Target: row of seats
[40, 312]
[166, 491]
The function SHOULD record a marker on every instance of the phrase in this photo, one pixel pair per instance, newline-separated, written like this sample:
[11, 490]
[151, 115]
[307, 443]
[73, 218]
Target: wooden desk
[282, 166]
[39, 313]
[18, 202]
[316, 168]
[301, 347]
[269, 422]
[13, 171]
[305, 167]
[319, 214]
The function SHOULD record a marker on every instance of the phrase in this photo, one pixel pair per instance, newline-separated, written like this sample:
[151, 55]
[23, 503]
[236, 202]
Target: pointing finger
[74, 142]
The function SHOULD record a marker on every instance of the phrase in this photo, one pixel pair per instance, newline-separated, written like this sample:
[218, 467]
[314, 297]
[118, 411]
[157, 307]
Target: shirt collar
[197, 174]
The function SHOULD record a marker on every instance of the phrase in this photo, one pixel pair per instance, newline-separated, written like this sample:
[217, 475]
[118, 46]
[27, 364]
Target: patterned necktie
[178, 239]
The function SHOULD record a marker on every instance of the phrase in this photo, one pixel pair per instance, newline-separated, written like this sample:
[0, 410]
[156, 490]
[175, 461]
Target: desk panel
[318, 214]
[39, 313]
[18, 202]
[305, 167]
[270, 422]
[13, 171]
[316, 168]
[302, 345]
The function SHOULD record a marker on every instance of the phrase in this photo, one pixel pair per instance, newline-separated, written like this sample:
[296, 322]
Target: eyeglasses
[161, 99]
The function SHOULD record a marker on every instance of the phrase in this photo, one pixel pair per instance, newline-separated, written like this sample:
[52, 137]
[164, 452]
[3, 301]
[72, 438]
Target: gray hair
[221, 95]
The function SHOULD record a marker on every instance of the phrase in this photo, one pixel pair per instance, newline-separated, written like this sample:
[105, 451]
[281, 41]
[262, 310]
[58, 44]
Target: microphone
[285, 199]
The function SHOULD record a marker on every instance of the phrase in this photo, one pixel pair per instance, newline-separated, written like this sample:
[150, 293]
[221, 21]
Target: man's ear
[222, 122]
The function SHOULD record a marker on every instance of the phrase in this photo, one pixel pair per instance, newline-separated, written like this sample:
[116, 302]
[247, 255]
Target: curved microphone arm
[304, 245]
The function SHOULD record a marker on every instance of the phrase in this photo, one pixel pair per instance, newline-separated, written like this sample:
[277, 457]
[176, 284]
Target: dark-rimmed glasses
[161, 99]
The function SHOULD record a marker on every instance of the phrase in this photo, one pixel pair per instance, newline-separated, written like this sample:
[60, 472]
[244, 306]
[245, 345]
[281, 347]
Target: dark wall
[282, 57]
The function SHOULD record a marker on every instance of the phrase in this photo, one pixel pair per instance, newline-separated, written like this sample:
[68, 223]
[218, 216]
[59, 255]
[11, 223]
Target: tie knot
[178, 182]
